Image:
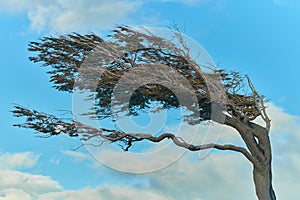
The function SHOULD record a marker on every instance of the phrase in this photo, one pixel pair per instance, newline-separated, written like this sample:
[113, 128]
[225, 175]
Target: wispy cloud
[77, 156]
[279, 2]
[284, 2]
[187, 2]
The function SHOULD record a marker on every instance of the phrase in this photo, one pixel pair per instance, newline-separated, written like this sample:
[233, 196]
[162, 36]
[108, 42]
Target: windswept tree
[127, 49]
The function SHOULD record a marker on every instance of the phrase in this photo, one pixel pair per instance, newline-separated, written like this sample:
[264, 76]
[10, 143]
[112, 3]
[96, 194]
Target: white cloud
[215, 177]
[18, 160]
[103, 193]
[59, 16]
[77, 156]
[227, 173]
[14, 194]
[220, 175]
[16, 184]
[27, 182]
[187, 2]
[285, 137]
[230, 173]
[71, 15]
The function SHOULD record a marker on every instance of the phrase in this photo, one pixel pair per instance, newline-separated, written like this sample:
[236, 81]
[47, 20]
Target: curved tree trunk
[258, 142]
[263, 183]
[262, 173]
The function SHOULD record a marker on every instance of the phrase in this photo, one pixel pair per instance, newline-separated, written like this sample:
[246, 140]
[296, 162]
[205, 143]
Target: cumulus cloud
[218, 175]
[80, 15]
[103, 193]
[14, 194]
[76, 15]
[15, 184]
[285, 137]
[228, 172]
[18, 160]
[27, 182]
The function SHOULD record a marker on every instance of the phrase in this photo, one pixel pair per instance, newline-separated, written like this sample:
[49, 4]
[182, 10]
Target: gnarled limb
[85, 132]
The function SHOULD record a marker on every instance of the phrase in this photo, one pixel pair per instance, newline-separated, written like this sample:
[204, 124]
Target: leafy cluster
[88, 62]
[44, 123]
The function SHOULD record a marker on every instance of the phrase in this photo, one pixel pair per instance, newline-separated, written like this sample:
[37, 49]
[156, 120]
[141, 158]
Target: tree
[127, 49]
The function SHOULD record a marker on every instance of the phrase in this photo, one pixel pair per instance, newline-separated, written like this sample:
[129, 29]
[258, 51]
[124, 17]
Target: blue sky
[258, 38]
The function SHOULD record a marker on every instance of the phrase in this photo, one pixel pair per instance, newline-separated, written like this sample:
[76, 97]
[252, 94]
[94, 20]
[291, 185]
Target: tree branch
[51, 125]
[135, 137]
[192, 147]
[261, 107]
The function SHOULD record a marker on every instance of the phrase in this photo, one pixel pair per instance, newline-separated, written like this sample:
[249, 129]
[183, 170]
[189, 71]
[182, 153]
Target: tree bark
[263, 183]
[262, 174]
[258, 142]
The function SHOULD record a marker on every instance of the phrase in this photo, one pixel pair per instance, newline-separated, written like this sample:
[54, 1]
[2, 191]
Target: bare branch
[134, 137]
[192, 147]
[261, 105]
